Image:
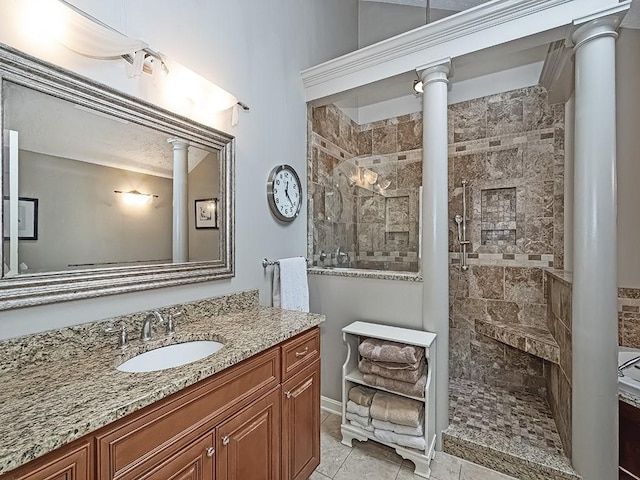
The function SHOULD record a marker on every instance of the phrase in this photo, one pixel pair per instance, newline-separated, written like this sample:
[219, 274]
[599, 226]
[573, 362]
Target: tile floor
[372, 461]
[519, 417]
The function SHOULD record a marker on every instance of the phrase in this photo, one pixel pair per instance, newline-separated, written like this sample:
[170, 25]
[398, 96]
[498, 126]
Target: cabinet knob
[303, 352]
[225, 440]
[288, 394]
[210, 452]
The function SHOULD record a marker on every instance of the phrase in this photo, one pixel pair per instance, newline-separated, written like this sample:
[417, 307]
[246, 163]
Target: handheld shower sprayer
[458, 220]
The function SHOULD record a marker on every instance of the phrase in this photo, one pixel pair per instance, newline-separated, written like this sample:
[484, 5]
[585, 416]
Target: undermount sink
[170, 356]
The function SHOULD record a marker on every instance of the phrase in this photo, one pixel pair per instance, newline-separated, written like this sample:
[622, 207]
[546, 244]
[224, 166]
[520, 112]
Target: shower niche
[498, 217]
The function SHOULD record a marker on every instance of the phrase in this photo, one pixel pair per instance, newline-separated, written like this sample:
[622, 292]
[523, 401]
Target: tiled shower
[509, 148]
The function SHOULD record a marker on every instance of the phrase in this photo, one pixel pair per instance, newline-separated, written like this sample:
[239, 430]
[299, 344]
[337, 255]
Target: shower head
[458, 219]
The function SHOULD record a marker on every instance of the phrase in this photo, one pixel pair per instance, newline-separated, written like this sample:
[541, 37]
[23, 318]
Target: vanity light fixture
[134, 197]
[88, 36]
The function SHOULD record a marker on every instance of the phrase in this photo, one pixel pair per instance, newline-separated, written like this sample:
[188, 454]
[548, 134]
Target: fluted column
[595, 327]
[435, 210]
[180, 200]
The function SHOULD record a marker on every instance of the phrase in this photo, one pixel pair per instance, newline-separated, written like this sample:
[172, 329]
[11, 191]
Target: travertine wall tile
[504, 116]
[385, 140]
[469, 120]
[365, 142]
[486, 282]
[523, 285]
[409, 135]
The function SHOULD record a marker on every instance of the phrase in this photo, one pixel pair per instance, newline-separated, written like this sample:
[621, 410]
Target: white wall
[628, 156]
[345, 300]
[379, 21]
[82, 221]
[254, 49]
[204, 182]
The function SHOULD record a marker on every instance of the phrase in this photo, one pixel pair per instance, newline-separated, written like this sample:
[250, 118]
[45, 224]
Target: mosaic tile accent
[519, 417]
[629, 317]
[505, 259]
[498, 208]
[507, 431]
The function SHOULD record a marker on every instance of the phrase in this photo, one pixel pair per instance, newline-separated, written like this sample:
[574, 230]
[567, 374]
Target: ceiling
[455, 5]
[529, 54]
[51, 126]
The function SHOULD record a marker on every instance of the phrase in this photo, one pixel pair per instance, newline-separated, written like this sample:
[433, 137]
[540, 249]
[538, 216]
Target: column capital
[438, 71]
[590, 30]
[178, 143]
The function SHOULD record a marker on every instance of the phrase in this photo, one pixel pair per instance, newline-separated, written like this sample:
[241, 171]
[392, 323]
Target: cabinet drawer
[299, 352]
[163, 430]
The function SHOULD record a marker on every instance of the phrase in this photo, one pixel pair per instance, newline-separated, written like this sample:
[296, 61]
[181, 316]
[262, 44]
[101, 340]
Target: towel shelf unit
[351, 376]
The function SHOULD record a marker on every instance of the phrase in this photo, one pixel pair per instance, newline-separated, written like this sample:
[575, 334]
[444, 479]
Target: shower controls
[461, 221]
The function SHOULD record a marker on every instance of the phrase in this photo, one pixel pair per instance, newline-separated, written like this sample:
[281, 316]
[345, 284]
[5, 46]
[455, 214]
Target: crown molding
[498, 22]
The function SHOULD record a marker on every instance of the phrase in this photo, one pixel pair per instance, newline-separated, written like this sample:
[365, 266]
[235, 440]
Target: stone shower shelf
[536, 341]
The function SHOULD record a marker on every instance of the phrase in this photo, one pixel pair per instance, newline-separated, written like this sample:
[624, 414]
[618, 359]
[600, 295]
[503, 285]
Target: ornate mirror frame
[42, 288]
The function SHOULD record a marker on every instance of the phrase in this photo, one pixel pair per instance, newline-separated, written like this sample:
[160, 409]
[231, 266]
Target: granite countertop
[630, 398]
[74, 388]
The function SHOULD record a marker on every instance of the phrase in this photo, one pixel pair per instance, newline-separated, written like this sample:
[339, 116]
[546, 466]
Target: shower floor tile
[520, 417]
[507, 431]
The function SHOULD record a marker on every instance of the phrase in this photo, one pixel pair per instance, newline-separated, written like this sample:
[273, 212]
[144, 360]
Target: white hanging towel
[290, 288]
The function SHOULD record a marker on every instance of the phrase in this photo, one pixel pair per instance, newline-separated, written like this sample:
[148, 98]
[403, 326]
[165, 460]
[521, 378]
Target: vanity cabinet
[301, 406]
[249, 442]
[193, 462]
[629, 441]
[72, 462]
[301, 423]
[229, 426]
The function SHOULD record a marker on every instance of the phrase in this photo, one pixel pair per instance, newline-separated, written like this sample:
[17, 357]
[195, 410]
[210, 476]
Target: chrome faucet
[146, 332]
[342, 257]
[632, 362]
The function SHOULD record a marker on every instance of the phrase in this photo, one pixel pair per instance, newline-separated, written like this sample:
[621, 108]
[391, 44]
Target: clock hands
[286, 192]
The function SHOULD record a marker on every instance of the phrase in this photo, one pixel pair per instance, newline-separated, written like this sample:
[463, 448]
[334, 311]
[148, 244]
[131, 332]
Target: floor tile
[471, 471]
[323, 415]
[331, 426]
[318, 476]
[359, 465]
[332, 455]
[445, 466]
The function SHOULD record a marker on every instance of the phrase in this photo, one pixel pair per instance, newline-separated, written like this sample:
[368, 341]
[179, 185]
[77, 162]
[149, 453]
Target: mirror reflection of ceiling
[51, 126]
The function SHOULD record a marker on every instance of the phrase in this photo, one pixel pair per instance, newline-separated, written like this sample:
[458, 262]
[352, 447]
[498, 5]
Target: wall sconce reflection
[136, 198]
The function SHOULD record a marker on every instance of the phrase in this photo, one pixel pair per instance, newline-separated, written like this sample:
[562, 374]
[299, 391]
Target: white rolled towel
[359, 421]
[368, 428]
[401, 429]
[410, 441]
[361, 410]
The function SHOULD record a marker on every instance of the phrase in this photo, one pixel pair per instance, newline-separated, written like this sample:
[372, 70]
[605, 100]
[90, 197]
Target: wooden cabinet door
[249, 442]
[629, 440]
[73, 463]
[301, 424]
[195, 461]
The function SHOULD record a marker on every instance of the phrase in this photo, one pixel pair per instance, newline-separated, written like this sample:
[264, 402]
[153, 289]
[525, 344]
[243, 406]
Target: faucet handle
[171, 322]
[122, 334]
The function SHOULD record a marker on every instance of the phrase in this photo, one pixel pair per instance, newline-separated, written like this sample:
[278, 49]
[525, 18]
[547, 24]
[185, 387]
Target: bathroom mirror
[104, 193]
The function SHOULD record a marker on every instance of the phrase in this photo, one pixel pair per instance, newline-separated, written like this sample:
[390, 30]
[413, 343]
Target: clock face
[284, 192]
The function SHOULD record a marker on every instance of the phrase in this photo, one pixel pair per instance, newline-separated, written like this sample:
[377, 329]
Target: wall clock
[284, 193]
